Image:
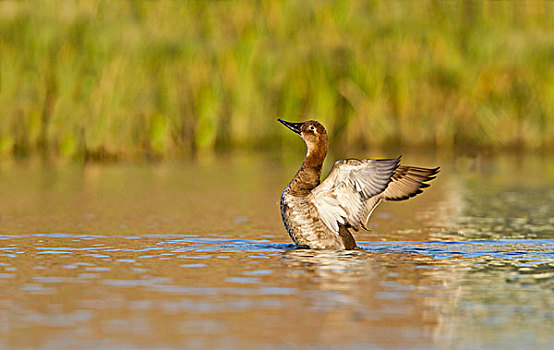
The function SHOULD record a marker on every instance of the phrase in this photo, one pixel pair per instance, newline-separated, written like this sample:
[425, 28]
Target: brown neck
[307, 178]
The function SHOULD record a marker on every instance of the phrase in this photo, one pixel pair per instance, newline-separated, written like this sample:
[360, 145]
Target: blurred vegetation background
[92, 79]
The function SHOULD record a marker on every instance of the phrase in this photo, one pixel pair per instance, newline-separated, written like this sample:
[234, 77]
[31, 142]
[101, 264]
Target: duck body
[304, 226]
[320, 215]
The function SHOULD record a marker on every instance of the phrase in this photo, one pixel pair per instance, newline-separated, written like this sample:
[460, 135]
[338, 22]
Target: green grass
[130, 79]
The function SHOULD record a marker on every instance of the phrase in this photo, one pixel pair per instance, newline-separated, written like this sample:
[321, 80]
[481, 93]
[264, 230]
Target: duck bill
[296, 127]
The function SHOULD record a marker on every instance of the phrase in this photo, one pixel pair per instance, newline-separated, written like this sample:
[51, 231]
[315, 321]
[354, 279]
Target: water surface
[193, 255]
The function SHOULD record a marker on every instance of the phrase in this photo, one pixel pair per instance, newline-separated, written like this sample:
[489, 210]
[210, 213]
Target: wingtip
[397, 161]
[434, 172]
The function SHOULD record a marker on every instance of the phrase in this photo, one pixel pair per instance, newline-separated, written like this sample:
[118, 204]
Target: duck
[322, 214]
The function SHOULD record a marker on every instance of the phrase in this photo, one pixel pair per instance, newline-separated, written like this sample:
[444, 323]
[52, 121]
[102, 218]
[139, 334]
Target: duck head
[315, 137]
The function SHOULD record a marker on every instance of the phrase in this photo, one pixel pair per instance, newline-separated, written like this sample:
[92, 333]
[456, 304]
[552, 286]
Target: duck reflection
[396, 297]
[346, 270]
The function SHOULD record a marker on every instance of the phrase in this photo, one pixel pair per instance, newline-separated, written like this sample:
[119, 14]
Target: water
[193, 255]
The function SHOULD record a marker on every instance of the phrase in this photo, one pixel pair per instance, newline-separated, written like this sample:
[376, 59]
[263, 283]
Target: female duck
[319, 215]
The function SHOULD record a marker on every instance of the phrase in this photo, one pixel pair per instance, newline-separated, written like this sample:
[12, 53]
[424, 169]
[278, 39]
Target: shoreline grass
[95, 79]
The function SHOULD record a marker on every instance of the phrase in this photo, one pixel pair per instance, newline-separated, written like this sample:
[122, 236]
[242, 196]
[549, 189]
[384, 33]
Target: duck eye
[312, 128]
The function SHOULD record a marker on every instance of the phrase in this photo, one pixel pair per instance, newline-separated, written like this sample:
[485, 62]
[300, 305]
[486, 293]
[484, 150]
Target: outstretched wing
[341, 199]
[406, 182]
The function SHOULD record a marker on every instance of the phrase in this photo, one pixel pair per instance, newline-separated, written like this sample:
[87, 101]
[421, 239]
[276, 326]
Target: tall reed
[93, 79]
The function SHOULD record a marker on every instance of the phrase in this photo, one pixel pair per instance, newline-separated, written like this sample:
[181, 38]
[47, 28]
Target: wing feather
[354, 188]
[342, 197]
[406, 182]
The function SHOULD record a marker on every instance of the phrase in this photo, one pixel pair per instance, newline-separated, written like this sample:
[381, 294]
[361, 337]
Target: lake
[193, 254]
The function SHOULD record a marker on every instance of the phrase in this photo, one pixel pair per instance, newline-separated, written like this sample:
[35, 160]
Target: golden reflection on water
[194, 255]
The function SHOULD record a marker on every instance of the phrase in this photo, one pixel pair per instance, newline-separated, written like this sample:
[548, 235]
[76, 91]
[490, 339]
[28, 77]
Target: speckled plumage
[319, 215]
